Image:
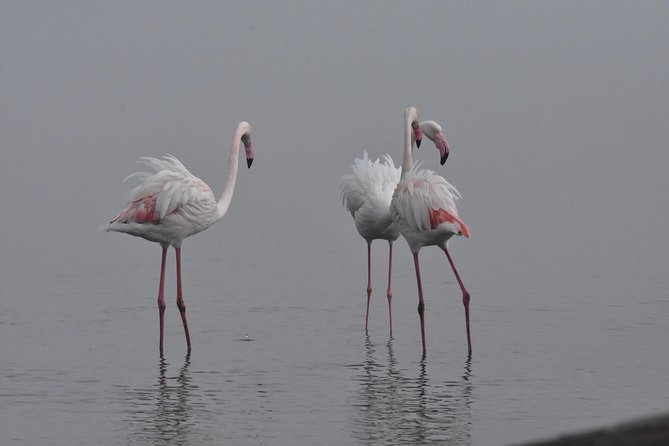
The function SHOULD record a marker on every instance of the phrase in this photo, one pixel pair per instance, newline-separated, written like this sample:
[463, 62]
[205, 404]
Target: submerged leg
[161, 298]
[180, 300]
[369, 279]
[390, 291]
[421, 302]
[465, 299]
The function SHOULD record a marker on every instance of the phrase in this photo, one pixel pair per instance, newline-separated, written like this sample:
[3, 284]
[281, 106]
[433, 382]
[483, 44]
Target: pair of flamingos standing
[172, 204]
[418, 204]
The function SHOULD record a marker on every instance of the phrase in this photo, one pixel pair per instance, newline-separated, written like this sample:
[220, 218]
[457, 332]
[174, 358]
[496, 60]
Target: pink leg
[390, 291]
[180, 300]
[161, 298]
[465, 299]
[421, 302]
[369, 279]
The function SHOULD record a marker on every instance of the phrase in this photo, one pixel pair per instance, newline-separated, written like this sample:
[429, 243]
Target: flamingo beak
[442, 145]
[417, 133]
[249, 150]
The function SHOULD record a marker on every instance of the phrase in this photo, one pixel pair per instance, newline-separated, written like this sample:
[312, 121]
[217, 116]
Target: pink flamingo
[367, 192]
[171, 204]
[424, 211]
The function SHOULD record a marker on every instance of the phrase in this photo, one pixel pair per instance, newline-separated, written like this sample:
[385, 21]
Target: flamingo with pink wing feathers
[367, 191]
[424, 211]
[172, 204]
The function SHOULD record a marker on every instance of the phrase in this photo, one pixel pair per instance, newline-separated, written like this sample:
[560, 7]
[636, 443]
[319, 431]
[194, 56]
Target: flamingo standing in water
[424, 211]
[171, 204]
[366, 193]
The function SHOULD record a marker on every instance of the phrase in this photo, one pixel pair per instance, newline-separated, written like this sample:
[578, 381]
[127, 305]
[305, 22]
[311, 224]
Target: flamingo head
[411, 116]
[417, 133]
[433, 131]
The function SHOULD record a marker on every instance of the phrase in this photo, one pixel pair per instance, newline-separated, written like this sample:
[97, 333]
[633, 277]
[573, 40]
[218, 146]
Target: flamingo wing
[368, 180]
[166, 190]
[426, 200]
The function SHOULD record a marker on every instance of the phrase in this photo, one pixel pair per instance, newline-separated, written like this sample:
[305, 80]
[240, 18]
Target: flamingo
[171, 204]
[366, 193]
[424, 211]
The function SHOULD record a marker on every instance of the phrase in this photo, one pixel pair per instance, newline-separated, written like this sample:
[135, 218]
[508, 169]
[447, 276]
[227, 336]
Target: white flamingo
[171, 204]
[366, 193]
[424, 211]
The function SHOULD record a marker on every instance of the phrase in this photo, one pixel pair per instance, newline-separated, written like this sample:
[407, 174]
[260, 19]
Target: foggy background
[556, 113]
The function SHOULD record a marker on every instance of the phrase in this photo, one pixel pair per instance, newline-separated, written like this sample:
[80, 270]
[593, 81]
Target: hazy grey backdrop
[557, 114]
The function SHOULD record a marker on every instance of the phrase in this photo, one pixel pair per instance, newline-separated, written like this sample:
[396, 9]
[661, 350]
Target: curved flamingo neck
[229, 188]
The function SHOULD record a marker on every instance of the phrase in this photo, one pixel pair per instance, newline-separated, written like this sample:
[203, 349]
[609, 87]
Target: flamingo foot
[182, 310]
[161, 297]
[390, 312]
[369, 280]
[421, 302]
[421, 313]
[390, 291]
[465, 301]
[161, 315]
[369, 295]
[180, 300]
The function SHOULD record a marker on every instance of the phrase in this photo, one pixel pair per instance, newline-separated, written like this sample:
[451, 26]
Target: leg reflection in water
[394, 407]
[164, 412]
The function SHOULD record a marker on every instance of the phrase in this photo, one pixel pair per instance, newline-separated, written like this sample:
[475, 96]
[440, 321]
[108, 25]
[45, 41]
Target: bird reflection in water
[396, 409]
[162, 414]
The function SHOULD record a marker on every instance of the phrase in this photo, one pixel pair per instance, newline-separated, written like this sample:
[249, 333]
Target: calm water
[281, 357]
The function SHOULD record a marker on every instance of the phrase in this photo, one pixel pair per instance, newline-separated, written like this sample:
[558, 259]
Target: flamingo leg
[421, 302]
[465, 299]
[390, 291]
[161, 298]
[180, 300]
[369, 279]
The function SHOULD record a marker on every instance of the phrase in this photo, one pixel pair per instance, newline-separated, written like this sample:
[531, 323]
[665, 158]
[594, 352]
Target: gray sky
[556, 113]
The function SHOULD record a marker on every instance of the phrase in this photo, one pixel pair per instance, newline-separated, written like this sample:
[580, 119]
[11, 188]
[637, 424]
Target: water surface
[284, 359]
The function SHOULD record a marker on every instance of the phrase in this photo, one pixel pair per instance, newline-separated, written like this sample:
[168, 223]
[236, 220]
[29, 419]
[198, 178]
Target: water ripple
[171, 411]
[393, 408]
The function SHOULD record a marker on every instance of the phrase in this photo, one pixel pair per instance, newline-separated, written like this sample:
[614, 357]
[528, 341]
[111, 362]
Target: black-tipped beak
[418, 141]
[444, 158]
[249, 161]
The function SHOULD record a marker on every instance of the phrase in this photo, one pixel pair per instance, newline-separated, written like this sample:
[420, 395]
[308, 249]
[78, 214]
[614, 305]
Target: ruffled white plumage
[368, 179]
[366, 193]
[184, 204]
[174, 185]
[419, 193]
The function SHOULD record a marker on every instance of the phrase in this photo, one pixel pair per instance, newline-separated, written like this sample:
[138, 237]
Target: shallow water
[284, 359]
